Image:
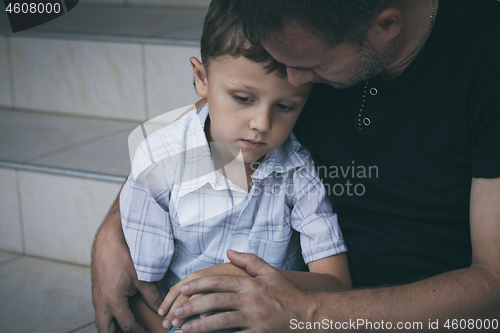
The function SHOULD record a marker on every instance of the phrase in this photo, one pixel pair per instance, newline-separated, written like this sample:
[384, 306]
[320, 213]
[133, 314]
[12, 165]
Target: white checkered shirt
[179, 215]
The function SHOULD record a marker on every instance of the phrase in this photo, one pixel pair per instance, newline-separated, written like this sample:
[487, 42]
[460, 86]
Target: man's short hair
[334, 21]
[223, 35]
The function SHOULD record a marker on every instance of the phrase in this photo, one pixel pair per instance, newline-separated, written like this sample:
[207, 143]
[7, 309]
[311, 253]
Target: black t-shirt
[399, 171]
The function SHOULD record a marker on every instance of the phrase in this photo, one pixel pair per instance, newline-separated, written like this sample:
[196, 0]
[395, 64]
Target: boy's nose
[261, 120]
[296, 77]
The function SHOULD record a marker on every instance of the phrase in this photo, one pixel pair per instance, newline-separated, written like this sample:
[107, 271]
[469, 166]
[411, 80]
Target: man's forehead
[298, 48]
[292, 34]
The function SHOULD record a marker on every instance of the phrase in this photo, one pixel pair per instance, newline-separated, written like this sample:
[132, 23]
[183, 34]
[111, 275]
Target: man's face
[309, 59]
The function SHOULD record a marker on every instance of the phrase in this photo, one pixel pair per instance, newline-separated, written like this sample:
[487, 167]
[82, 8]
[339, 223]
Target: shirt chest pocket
[270, 217]
[273, 252]
[271, 231]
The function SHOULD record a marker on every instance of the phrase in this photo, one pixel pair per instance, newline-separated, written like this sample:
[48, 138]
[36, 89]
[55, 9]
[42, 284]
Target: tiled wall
[117, 80]
[184, 3]
[168, 69]
[91, 78]
[56, 216]
[5, 92]
[71, 208]
[10, 220]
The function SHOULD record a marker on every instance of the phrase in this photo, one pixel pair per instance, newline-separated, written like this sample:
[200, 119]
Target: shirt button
[366, 121]
[373, 91]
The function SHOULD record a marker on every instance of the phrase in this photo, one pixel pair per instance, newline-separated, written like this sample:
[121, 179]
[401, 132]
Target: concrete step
[58, 177]
[56, 297]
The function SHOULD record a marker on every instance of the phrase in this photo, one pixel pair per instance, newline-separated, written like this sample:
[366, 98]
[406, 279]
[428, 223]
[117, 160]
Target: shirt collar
[202, 171]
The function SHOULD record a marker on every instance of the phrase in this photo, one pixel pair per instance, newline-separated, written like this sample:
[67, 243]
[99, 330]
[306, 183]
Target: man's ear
[385, 28]
[200, 77]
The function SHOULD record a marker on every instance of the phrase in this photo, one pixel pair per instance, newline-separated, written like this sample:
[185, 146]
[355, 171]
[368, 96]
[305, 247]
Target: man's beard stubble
[370, 64]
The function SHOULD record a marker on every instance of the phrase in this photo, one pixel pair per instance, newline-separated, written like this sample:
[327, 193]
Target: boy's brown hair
[223, 35]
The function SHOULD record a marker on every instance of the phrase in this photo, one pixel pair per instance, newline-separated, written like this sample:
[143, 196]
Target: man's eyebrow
[304, 69]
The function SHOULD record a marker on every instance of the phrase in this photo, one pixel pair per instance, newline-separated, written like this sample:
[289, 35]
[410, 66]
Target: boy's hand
[175, 298]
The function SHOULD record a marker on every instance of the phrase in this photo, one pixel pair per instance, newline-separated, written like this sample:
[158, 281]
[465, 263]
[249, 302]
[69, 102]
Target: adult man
[419, 102]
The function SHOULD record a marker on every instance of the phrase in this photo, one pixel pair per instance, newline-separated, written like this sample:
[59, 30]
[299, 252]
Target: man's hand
[265, 303]
[114, 279]
[175, 298]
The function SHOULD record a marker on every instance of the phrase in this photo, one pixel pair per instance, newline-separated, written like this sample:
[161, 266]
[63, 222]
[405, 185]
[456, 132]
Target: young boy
[229, 176]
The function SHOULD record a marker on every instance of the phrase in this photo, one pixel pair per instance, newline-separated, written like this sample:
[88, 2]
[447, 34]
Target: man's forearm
[472, 293]
[112, 220]
[309, 281]
[110, 227]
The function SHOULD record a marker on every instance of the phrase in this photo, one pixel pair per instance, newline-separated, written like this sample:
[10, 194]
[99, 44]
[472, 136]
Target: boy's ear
[200, 77]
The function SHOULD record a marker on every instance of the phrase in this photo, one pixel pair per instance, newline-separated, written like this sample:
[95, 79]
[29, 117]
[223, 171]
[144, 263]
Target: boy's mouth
[253, 144]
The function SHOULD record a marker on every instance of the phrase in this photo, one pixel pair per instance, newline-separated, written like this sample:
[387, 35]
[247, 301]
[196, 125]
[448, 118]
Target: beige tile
[82, 77]
[169, 77]
[25, 136]
[191, 33]
[107, 155]
[10, 221]
[87, 329]
[40, 296]
[109, 21]
[61, 214]
[5, 93]
[7, 257]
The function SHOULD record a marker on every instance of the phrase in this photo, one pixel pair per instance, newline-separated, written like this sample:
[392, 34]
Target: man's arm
[114, 278]
[470, 293]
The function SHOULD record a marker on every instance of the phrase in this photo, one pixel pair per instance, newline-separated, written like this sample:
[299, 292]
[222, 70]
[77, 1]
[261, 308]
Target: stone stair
[71, 91]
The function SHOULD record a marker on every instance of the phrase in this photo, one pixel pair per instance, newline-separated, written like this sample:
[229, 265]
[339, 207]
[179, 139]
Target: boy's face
[250, 110]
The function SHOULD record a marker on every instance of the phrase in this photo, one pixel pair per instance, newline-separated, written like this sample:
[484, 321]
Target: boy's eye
[284, 107]
[242, 99]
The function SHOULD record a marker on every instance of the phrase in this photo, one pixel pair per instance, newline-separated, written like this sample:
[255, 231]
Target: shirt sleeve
[485, 116]
[312, 216]
[146, 222]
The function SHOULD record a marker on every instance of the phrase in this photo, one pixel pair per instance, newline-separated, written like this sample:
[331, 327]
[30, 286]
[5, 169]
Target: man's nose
[296, 77]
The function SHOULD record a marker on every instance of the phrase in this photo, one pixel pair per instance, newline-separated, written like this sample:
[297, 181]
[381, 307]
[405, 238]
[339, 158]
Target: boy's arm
[320, 237]
[327, 274]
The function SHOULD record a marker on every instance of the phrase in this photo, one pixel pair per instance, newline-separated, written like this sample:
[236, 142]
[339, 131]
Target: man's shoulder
[477, 16]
